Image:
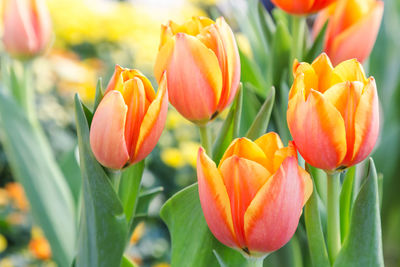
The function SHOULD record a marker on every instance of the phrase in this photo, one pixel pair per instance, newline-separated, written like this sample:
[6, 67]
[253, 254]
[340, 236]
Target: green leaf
[145, 198]
[251, 73]
[346, 201]
[266, 22]
[230, 128]
[127, 263]
[129, 189]
[72, 173]
[315, 235]
[281, 47]
[99, 95]
[260, 123]
[34, 166]
[185, 220]
[252, 104]
[363, 244]
[318, 44]
[103, 228]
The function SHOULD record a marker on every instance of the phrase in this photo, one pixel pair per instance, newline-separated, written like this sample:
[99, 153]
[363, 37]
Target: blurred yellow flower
[172, 157]
[3, 243]
[3, 197]
[189, 151]
[36, 232]
[162, 264]
[6, 262]
[175, 120]
[138, 233]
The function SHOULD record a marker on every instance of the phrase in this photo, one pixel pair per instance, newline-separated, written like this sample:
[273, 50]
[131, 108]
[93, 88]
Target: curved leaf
[103, 228]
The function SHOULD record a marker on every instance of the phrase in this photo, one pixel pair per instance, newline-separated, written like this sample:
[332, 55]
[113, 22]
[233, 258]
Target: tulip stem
[255, 262]
[298, 31]
[205, 138]
[333, 220]
[116, 180]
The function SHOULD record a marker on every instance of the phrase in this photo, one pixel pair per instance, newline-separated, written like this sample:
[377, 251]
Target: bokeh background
[91, 36]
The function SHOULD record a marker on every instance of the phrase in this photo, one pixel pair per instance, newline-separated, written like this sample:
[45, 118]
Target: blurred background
[91, 36]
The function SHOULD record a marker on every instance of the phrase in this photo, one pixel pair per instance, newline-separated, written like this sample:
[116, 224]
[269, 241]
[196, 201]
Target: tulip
[302, 7]
[333, 113]
[202, 63]
[27, 27]
[253, 200]
[129, 119]
[352, 28]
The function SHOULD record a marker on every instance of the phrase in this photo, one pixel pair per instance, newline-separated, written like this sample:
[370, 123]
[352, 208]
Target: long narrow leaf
[103, 228]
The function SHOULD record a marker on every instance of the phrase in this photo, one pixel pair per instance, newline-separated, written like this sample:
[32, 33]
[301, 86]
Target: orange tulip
[302, 7]
[333, 113]
[202, 63]
[352, 29]
[129, 119]
[254, 199]
[27, 27]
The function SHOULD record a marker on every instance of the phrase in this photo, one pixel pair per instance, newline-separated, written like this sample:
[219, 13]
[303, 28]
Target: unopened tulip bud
[201, 61]
[129, 119]
[352, 28]
[27, 27]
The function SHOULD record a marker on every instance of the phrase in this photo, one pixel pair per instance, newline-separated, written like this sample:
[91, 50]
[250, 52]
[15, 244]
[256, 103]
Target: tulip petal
[107, 138]
[307, 184]
[163, 58]
[348, 71]
[366, 123]
[282, 154]
[194, 78]
[242, 178]
[311, 123]
[232, 71]
[320, 4]
[135, 99]
[153, 123]
[115, 79]
[310, 78]
[214, 200]
[345, 97]
[245, 148]
[364, 32]
[269, 143]
[295, 7]
[323, 69]
[42, 27]
[19, 35]
[272, 217]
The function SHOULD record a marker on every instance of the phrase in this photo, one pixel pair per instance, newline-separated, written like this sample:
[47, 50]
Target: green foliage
[363, 245]
[34, 166]
[346, 201]
[103, 227]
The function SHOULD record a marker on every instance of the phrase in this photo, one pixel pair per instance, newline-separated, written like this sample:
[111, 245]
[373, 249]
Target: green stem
[28, 96]
[299, 29]
[205, 138]
[333, 220]
[255, 262]
[116, 180]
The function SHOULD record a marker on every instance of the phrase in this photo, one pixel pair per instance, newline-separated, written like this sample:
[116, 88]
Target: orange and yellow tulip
[253, 200]
[129, 119]
[352, 28]
[27, 27]
[202, 65]
[333, 113]
[302, 7]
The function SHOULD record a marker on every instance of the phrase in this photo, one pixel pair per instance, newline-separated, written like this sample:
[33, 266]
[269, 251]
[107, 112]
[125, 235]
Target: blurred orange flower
[17, 194]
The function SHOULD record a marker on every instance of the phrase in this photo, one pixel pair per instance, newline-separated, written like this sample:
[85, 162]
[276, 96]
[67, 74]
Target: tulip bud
[302, 7]
[352, 28]
[202, 65]
[254, 199]
[129, 119]
[27, 27]
[333, 113]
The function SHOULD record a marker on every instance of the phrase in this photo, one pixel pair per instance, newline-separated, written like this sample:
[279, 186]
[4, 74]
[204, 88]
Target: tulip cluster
[129, 120]
[201, 61]
[27, 27]
[333, 113]
[253, 200]
[352, 29]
